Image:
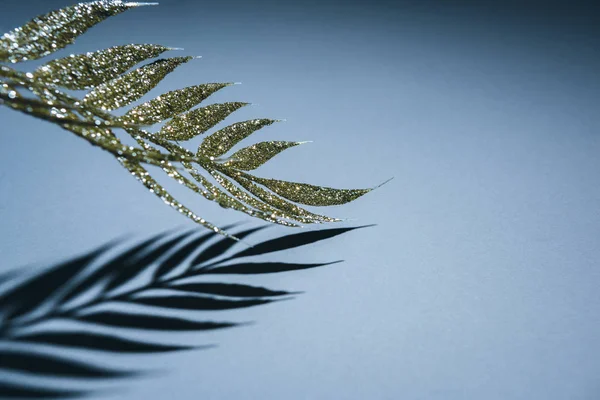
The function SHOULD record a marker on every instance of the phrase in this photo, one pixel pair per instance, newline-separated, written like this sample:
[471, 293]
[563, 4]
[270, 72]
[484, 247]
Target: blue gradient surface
[480, 280]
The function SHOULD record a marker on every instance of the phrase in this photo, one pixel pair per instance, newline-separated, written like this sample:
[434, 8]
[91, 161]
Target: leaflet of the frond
[311, 195]
[254, 156]
[227, 201]
[83, 71]
[280, 203]
[196, 122]
[171, 104]
[127, 88]
[263, 205]
[51, 32]
[224, 139]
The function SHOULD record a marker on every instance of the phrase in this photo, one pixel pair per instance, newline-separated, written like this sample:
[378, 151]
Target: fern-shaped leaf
[196, 122]
[254, 156]
[170, 104]
[104, 71]
[152, 322]
[127, 88]
[97, 341]
[83, 71]
[55, 366]
[51, 32]
[224, 139]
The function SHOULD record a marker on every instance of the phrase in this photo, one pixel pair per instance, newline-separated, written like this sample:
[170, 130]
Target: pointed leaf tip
[383, 183]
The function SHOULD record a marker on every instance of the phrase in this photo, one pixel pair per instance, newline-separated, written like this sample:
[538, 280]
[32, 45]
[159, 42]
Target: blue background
[480, 280]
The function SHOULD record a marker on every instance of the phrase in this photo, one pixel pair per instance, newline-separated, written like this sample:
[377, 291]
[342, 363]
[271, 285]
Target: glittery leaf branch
[112, 84]
[119, 302]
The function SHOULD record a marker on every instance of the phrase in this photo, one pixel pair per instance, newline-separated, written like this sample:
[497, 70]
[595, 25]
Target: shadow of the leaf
[79, 291]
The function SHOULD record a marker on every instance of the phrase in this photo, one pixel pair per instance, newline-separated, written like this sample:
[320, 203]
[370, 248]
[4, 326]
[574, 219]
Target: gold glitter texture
[82, 71]
[280, 203]
[104, 72]
[254, 156]
[311, 195]
[171, 104]
[127, 88]
[51, 32]
[196, 122]
[224, 139]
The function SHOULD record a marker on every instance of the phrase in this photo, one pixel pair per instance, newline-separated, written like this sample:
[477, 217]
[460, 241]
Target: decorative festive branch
[109, 86]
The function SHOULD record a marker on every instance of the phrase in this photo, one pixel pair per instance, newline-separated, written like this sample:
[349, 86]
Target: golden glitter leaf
[83, 71]
[254, 156]
[196, 122]
[224, 139]
[51, 32]
[127, 88]
[105, 72]
[171, 104]
[311, 195]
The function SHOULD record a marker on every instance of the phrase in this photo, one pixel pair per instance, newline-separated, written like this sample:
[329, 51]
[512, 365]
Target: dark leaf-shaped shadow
[289, 242]
[194, 302]
[12, 390]
[51, 365]
[260, 268]
[129, 266]
[230, 289]
[110, 268]
[151, 322]
[35, 291]
[104, 283]
[97, 341]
